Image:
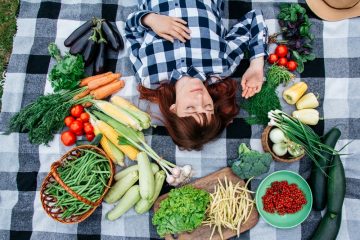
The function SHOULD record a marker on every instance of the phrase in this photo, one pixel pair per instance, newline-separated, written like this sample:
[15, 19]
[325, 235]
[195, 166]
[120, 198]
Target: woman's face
[192, 98]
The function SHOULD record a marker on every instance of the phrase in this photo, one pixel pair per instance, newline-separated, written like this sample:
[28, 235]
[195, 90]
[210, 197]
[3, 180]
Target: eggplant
[89, 52]
[80, 44]
[78, 33]
[117, 34]
[110, 37]
[100, 59]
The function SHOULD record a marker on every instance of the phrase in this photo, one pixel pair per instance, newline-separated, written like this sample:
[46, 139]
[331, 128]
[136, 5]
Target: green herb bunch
[182, 211]
[295, 29]
[68, 70]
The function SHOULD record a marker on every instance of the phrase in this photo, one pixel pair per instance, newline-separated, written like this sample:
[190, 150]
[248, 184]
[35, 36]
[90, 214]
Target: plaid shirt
[213, 52]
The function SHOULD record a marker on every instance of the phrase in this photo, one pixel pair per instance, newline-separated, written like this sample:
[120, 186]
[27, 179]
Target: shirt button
[182, 60]
[176, 4]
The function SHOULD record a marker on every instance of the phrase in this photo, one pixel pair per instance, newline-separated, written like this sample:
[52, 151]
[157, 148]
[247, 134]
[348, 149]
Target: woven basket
[48, 201]
[267, 146]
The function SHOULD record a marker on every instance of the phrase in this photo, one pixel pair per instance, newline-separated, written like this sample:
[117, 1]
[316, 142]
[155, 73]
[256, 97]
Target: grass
[8, 12]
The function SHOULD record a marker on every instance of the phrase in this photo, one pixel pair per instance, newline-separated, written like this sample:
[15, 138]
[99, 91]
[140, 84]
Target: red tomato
[79, 133]
[68, 138]
[291, 65]
[90, 136]
[68, 120]
[76, 126]
[281, 51]
[88, 128]
[77, 110]
[85, 117]
[273, 58]
[80, 120]
[282, 62]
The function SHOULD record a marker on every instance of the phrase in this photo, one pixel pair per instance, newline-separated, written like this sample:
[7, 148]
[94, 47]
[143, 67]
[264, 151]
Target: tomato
[76, 126]
[282, 62]
[90, 136]
[85, 117]
[79, 133]
[281, 51]
[291, 65]
[68, 120]
[80, 120]
[88, 128]
[77, 110]
[273, 58]
[68, 138]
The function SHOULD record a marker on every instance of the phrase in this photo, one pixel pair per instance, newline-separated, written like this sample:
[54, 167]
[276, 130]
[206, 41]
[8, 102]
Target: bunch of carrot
[101, 86]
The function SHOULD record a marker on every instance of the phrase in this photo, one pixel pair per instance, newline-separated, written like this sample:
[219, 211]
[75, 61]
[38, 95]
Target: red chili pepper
[283, 198]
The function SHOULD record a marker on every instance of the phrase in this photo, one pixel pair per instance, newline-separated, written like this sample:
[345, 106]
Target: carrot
[103, 81]
[82, 94]
[107, 90]
[87, 104]
[85, 81]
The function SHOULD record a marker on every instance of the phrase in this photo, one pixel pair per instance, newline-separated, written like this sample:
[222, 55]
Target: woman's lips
[196, 90]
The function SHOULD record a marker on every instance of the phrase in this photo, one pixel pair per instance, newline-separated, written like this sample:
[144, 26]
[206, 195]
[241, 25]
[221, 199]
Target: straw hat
[334, 10]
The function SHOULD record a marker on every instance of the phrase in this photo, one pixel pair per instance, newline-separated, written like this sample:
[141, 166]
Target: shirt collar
[192, 72]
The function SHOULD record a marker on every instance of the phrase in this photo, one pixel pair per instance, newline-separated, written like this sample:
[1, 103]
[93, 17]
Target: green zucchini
[336, 186]
[154, 167]
[146, 176]
[328, 228]
[318, 178]
[120, 187]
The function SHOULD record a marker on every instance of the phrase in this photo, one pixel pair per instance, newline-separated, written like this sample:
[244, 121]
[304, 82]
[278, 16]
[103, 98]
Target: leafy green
[182, 211]
[250, 163]
[68, 71]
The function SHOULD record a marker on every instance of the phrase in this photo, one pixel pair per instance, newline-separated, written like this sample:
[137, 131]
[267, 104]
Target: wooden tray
[207, 183]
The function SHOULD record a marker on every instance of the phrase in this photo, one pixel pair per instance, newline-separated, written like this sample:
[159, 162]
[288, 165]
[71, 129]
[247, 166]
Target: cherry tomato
[282, 62]
[281, 51]
[85, 117]
[273, 58]
[68, 120]
[68, 138]
[77, 110]
[88, 128]
[80, 120]
[90, 136]
[76, 126]
[79, 133]
[291, 65]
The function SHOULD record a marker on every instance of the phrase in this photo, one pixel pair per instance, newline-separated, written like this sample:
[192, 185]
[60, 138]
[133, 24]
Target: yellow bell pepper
[307, 116]
[309, 100]
[294, 93]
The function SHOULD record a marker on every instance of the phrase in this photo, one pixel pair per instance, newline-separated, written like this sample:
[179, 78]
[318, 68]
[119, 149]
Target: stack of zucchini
[328, 184]
[91, 40]
[129, 194]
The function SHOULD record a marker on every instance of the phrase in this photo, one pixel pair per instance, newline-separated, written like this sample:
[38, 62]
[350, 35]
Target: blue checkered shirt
[212, 53]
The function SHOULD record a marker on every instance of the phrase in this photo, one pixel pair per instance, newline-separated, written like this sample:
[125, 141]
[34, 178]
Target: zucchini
[120, 187]
[131, 197]
[336, 186]
[318, 178]
[328, 228]
[146, 176]
[154, 167]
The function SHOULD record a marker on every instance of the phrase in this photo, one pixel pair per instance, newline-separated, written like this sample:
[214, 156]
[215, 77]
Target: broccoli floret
[250, 163]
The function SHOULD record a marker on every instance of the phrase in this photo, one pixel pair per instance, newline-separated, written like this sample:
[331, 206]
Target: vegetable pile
[280, 57]
[250, 163]
[182, 211]
[230, 207]
[87, 175]
[91, 41]
[283, 198]
[282, 145]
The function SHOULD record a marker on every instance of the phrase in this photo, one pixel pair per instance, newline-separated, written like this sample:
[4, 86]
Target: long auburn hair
[186, 132]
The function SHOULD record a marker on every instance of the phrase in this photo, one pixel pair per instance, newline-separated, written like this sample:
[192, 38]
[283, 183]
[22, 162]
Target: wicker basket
[48, 201]
[267, 146]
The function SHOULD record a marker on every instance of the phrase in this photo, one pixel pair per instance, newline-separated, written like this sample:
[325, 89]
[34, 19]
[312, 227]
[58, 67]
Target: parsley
[182, 211]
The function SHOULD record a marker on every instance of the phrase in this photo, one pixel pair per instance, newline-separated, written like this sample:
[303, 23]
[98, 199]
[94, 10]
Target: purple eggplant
[117, 34]
[100, 59]
[80, 44]
[89, 52]
[80, 31]
[110, 37]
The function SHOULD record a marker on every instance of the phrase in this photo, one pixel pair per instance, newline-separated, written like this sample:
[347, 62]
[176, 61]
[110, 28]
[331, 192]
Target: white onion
[277, 136]
[280, 149]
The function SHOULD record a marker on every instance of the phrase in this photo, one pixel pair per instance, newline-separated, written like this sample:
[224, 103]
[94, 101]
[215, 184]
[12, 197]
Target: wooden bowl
[48, 201]
[267, 146]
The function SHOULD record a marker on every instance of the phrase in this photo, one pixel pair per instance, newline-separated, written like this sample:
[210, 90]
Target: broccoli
[250, 163]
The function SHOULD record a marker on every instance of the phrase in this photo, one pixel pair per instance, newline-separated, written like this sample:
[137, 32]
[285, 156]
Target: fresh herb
[44, 117]
[182, 211]
[68, 71]
[277, 75]
[250, 163]
[295, 29]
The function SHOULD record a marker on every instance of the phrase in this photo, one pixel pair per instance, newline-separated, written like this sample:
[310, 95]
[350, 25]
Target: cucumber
[318, 179]
[328, 228]
[336, 186]
[131, 197]
[146, 176]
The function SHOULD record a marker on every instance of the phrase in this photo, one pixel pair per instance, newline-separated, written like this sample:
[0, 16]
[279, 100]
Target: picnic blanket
[334, 75]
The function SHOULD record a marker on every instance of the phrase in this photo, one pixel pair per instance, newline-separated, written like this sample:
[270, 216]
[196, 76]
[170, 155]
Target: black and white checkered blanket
[334, 75]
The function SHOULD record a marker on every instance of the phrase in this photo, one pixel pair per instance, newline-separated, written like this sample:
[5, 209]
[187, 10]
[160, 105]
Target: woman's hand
[167, 27]
[253, 78]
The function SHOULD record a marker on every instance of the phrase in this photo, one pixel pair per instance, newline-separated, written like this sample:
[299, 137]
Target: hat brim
[324, 11]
